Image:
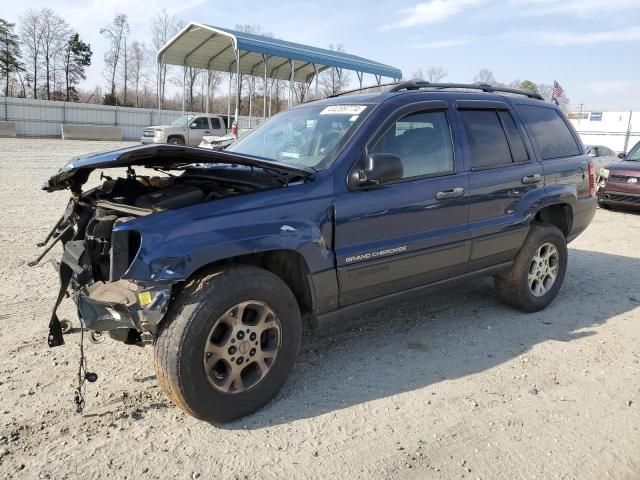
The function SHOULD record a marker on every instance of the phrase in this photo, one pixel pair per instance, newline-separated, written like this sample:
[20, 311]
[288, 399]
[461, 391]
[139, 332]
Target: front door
[198, 128]
[412, 231]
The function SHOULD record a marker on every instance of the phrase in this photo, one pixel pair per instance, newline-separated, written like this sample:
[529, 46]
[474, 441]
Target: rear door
[504, 179]
[409, 232]
[198, 128]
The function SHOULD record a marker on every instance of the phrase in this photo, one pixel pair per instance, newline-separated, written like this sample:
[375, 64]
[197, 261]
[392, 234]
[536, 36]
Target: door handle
[207, 131]
[535, 178]
[456, 192]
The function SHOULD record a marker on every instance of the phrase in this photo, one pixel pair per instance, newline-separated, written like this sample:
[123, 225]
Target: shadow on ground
[459, 331]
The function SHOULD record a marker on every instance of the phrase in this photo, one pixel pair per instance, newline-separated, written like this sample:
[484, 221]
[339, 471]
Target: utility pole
[580, 114]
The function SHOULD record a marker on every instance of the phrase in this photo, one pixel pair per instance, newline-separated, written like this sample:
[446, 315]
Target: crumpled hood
[75, 173]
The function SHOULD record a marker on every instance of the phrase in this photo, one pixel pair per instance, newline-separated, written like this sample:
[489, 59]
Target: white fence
[619, 131]
[42, 118]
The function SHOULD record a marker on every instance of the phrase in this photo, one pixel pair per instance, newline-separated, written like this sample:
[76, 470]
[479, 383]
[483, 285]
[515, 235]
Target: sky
[590, 47]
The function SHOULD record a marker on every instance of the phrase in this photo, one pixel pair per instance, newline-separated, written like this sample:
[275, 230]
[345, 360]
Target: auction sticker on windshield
[343, 110]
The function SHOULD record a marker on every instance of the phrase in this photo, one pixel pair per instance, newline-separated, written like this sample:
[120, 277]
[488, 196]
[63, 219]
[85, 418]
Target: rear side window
[215, 123]
[487, 140]
[550, 132]
[518, 150]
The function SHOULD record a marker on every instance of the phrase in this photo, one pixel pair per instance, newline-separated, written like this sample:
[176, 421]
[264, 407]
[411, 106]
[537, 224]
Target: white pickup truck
[187, 130]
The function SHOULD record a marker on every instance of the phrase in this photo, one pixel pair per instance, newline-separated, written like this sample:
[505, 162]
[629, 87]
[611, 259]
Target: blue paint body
[327, 223]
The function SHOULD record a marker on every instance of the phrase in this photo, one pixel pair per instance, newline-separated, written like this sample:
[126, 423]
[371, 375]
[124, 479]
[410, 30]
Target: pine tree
[77, 57]
[9, 53]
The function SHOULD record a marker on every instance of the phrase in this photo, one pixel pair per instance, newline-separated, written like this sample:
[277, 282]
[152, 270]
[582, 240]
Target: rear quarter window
[549, 131]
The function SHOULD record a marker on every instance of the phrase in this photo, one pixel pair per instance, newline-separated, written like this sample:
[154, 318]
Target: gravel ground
[454, 386]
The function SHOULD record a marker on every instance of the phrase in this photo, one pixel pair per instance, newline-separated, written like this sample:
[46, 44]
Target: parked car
[186, 130]
[325, 210]
[620, 185]
[601, 157]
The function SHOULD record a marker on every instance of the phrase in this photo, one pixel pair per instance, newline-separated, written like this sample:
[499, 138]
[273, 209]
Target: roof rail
[363, 89]
[485, 87]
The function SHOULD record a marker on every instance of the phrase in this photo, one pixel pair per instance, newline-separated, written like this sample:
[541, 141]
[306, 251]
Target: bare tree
[334, 80]
[435, 73]
[418, 74]
[138, 55]
[163, 27]
[116, 33]
[55, 33]
[31, 41]
[485, 76]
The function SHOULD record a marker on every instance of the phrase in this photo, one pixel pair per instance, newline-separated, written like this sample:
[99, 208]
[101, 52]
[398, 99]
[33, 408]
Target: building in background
[617, 130]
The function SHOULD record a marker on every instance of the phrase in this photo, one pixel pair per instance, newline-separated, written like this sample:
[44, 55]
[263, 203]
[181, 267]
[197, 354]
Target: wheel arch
[288, 265]
[559, 215]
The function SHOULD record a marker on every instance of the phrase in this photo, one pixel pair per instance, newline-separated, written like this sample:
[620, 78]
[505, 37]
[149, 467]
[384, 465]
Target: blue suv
[217, 259]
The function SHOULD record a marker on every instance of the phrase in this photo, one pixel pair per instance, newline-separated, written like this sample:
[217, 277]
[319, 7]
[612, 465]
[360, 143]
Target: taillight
[234, 129]
[592, 179]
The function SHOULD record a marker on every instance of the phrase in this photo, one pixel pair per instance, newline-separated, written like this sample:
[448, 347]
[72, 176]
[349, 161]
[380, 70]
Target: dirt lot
[455, 386]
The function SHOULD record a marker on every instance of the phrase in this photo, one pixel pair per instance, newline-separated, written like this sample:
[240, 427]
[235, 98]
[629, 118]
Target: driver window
[422, 140]
[201, 123]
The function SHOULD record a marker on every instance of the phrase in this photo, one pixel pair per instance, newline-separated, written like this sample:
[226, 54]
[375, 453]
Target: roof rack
[364, 89]
[420, 85]
[485, 87]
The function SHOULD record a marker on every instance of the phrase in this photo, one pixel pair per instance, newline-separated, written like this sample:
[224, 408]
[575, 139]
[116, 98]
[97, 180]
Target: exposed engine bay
[97, 254]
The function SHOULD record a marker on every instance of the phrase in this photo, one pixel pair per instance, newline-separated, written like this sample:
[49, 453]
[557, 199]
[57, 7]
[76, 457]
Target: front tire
[176, 141]
[228, 343]
[538, 270]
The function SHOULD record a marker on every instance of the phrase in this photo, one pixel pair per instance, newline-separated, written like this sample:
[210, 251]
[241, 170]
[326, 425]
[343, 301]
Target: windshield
[634, 154]
[181, 121]
[308, 136]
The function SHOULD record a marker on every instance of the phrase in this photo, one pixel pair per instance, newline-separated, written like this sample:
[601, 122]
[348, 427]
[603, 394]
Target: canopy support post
[206, 107]
[229, 101]
[184, 87]
[315, 69]
[238, 87]
[158, 89]
[293, 73]
[251, 87]
[270, 94]
[264, 90]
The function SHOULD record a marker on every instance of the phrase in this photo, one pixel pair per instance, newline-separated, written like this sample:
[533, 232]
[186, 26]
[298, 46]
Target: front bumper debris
[122, 306]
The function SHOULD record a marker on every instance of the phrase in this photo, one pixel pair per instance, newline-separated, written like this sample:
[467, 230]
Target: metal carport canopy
[216, 48]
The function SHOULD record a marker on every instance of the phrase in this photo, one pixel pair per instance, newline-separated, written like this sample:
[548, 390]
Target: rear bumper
[583, 213]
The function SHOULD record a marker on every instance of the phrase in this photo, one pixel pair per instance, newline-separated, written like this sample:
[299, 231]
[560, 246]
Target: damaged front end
[95, 256]
[102, 236]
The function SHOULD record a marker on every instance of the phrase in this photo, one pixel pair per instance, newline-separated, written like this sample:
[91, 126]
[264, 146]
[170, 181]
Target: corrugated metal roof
[205, 46]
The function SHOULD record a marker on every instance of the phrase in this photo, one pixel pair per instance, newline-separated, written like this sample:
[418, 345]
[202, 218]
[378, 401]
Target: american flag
[558, 91]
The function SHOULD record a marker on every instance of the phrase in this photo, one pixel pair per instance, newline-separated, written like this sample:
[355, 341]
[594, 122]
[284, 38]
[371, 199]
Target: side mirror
[622, 155]
[380, 168]
[193, 125]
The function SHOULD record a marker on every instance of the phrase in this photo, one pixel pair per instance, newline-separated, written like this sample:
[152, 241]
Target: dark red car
[621, 181]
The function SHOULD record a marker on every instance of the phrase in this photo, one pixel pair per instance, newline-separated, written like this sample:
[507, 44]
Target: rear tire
[213, 318]
[538, 270]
